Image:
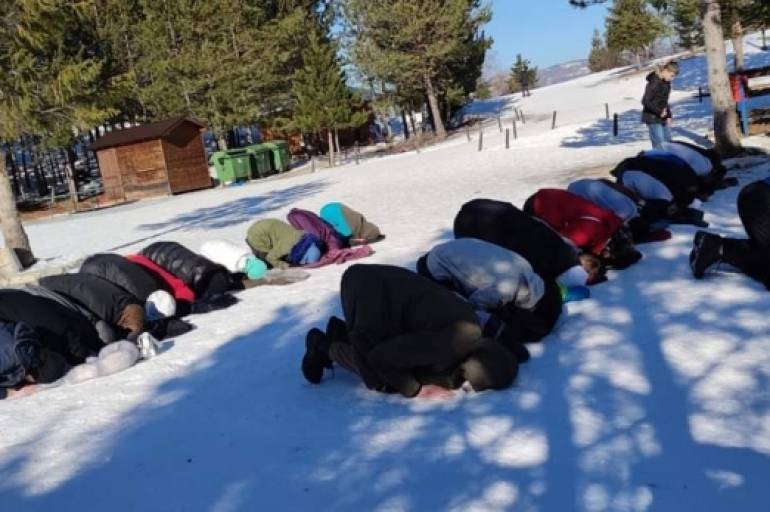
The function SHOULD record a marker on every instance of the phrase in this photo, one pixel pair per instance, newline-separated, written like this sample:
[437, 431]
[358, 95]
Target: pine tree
[323, 100]
[229, 63]
[687, 23]
[521, 67]
[602, 58]
[411, 43]
[631, 27]
[62, 81]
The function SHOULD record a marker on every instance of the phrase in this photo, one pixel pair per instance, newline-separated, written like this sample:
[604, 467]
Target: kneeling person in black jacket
[403, 333]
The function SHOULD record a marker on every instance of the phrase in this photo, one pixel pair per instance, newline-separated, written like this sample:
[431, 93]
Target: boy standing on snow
[656, 113]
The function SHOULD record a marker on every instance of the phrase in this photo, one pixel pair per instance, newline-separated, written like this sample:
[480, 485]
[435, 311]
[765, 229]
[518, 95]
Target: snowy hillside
[652, 395]
[562, 72]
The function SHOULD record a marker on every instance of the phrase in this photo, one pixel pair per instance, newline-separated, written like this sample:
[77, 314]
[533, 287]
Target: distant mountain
[562, 72]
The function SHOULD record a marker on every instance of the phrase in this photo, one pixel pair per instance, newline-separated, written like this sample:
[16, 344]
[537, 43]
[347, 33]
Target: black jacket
[503, 224]
[122, 273]
[201, 274]
[655, 100]
[59, 329]
[105, 300]
[406, 329]
[675, 174]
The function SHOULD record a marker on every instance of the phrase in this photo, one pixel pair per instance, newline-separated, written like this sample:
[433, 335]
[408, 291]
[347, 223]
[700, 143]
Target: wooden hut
[153, 159]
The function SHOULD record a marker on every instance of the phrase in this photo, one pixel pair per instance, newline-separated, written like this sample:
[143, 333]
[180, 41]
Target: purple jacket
[311, 223]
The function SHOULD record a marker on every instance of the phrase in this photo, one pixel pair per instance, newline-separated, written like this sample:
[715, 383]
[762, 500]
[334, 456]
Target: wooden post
[515, 133]
[481, 138]
[499, 124]
[700, 94]
[607, 110]
[357, 152]
[516, 111]
[615, 126]
[312, 164]
[553, 122]
[523, 121]
[507, 138]
[468, 132]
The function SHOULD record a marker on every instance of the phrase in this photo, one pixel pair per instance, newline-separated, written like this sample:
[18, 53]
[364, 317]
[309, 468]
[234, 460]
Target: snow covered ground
[652, 395]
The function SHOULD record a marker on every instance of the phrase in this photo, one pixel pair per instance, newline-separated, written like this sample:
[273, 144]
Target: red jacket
[178, 288]
[589, 226]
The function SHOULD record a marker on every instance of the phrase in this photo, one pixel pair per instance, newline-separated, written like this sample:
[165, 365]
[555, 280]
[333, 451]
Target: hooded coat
[309, 222]
[589, 226]
[202, 275]
[58, 328]
[655, 100]
[272, 241]
[488, 275]
[404, 327]
[680, 180]
[105, 300]
[124, 274]
[716, 161]
[604, 195]
[505, 225]
[174, 285]
[349, 223]
[698, 162]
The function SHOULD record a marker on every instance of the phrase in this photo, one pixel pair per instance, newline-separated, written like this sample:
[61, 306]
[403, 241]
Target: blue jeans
[659, 133]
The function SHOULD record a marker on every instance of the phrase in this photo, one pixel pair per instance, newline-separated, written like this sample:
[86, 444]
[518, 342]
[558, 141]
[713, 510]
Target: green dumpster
[235, 165]
[261, 164]
[217, 159]
[280, 154]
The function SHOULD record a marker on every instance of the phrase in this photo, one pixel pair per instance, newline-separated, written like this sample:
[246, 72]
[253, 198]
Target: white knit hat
[160, 304]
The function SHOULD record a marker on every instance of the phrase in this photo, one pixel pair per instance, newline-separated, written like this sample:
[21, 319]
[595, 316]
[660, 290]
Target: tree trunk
[438, 124]
[411, 120]
[71, 182]
[331, 147]
[764, 38]
[13, 231]
[725, 118]
[17, 190]
[638, 60]
[337, 140]
[222, 142]
[736, 33]
[403, 123]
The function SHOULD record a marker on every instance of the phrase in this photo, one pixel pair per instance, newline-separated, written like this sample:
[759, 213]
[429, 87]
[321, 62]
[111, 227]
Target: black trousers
[752, 256]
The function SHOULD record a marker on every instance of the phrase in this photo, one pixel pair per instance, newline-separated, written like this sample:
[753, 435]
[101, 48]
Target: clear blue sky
[546, 32]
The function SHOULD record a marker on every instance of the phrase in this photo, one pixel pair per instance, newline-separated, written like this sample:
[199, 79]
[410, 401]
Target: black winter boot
[316, 357]
[706, 252]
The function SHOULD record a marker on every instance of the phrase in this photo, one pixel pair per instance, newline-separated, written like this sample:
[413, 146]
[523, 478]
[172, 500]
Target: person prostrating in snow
[749, 255]
[405, 334]
[656, 113]
[523, 306]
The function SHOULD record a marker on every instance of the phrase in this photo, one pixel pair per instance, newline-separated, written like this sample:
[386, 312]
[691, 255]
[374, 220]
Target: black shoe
[706, 252]
[316, 357]
[337, 330]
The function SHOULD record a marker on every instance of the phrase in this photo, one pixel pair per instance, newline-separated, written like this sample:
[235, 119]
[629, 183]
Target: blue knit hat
[301, 247]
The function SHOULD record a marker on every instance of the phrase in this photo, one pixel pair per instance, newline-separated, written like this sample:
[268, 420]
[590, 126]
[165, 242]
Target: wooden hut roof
[149, 131]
